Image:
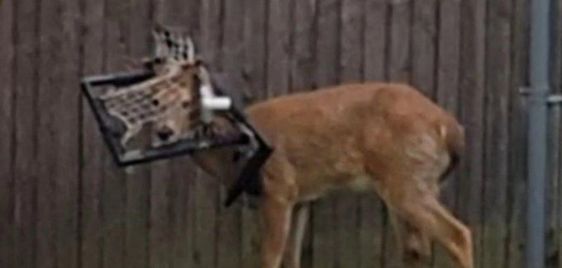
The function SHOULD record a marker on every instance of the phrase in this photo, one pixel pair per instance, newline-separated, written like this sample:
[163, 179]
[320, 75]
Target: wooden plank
[518, 128]
[49, 91]
[327, 43]
[137, 202]
[183, 212]
[447, 94]
[205, 190]
[424, 36]
[496, 133]
[352, 27]
[399, 68]
[67, 140]
[374, 69]
[302, 77]
[375, 39]
[303, 58]
[182, 209]
[160, 235]
[472, 86]
[447, 90]
[113, 188]
[302, 70]
[186, 173]
[229, 224]
[7, 58]
[25, 137]
[161, 182]
[169, 234]
[279, 45]
[94, 152]
[324, 252]
[347, 218]
[255, 38]
[255, 35]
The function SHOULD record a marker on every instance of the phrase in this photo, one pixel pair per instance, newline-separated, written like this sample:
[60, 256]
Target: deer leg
[276, 216]
[417, 247]
[294, 249]
[412, 242]
[422, 210]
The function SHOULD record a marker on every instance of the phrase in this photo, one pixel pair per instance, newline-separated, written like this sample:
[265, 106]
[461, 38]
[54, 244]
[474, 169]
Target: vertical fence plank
[327, 69]
[114, 192]
[185, 15]
[49, 83]
[229, 227]
[206, 191]
[374, 69]
[518, 128]
[376, 39]
[304, 33]
[255, 36]
[351, 54]
[472, 80]
[67, 168]
[302, 77]
[25, 137]
[424, 33]
[279, 47]
[497, 136]
[399, 68]
[7, 59]
[162, 177]
[447, 91]
[278, 44]
[58, 101]
[137, 184]
[94, 153]
[160, 233]
[447, 94]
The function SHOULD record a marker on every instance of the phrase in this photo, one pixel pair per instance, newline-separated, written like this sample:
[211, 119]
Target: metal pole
[537, 139]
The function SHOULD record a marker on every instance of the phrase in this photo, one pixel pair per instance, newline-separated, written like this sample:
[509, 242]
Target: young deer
[380, 137]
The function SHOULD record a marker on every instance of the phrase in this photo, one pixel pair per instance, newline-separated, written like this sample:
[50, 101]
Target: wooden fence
[64, 204]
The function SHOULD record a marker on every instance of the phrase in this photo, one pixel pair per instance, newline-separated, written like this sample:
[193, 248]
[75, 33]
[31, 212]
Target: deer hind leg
[300, 219]
[412, 242]
[276, 216]
[421, 209]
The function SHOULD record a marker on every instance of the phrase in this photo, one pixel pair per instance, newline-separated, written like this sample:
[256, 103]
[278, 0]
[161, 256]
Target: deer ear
[190, 49]
[247, 97]
[197, 62]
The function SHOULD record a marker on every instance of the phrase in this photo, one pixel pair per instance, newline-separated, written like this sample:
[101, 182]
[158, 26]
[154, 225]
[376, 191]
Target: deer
[379, 137]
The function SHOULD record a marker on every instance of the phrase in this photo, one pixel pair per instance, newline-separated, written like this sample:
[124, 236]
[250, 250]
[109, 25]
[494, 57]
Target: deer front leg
[276, 216]
[300, 219]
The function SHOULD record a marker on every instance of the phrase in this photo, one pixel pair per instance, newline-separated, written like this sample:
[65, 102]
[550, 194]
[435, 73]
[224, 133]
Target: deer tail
[454, 138]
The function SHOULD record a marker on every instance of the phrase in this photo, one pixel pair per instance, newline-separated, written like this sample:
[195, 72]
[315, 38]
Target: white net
[168, 95]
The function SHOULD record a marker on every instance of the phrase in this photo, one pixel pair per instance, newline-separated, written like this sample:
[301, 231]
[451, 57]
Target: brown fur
[378, 137]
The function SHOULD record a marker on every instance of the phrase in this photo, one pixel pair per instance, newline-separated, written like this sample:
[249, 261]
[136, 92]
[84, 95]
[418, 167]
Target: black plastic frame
[123, 157]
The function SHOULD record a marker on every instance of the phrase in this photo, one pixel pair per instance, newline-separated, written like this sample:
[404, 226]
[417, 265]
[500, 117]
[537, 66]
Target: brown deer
[384, 138]
[380, 137]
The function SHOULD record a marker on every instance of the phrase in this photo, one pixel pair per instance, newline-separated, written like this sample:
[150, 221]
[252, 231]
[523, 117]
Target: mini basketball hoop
[172, 86]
